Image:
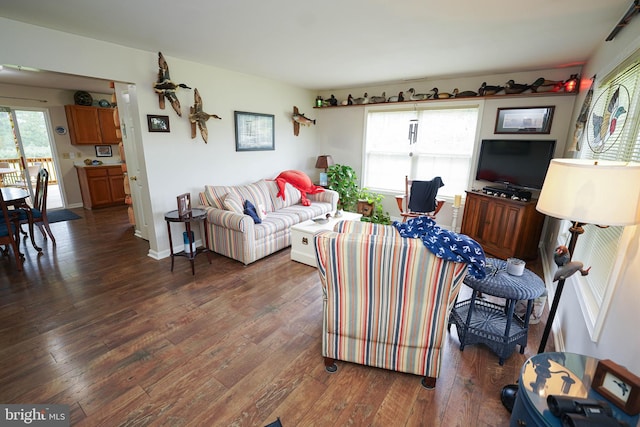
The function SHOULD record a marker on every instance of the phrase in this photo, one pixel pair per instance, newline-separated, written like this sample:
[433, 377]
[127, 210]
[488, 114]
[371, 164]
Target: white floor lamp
[603, 193]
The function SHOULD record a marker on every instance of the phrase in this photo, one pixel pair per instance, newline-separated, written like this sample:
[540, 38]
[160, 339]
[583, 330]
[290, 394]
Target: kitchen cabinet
[101, 186]
[504, 227]
[91, 125]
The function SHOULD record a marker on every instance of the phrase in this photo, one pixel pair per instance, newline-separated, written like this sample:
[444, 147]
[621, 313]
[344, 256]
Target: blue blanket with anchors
[445, 244]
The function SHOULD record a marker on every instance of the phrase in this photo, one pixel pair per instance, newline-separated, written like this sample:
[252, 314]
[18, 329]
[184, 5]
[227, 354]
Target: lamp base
[508, 396]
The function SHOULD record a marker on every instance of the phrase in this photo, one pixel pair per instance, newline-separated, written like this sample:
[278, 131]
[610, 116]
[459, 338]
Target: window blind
[598, 247]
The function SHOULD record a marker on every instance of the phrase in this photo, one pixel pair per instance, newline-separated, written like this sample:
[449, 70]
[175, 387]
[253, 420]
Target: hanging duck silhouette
[300, 119]
[199, 117]
[604, 126]
[566, 268]
[165, 88]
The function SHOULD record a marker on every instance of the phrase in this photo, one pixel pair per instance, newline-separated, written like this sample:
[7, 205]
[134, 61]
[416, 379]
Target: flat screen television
[520, 163]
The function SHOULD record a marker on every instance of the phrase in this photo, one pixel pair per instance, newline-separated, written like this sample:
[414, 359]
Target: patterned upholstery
[236, 236]
[386, 299]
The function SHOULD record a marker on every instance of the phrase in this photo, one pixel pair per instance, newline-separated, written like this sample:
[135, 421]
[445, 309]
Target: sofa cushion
[275, 222]
[257, 193]
[232, 202]
[307, 212]
[292, 196]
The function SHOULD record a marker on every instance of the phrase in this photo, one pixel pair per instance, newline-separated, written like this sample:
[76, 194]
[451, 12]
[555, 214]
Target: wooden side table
[197, 216]
[496, 326]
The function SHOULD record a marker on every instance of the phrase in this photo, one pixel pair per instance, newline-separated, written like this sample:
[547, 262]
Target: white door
[127, 100]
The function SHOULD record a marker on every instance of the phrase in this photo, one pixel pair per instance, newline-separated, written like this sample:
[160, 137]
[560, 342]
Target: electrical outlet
[66, 155]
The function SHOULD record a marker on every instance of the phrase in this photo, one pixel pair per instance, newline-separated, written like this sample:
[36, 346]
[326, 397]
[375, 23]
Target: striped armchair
[386, 299]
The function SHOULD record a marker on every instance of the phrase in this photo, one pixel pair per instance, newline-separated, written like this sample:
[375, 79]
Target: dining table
[17, 198]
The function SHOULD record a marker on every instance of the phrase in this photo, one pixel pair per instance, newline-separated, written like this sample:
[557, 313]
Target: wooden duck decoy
[464, 93]
[361, 101]
[398, 98]
[165, 88]
[513, 88]
[199, 117]
[486, 90]
[378, 99]
[543, 85]
[330, 102]
[440, 95]
[413, 96]
[348, 101]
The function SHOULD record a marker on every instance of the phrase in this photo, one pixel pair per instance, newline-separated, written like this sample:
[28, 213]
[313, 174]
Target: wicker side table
[495, 325]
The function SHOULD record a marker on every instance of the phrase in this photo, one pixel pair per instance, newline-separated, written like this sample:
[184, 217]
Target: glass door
[26, 146]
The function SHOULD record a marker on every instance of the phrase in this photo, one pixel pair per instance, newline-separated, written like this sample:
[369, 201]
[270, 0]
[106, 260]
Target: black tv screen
[515, 162]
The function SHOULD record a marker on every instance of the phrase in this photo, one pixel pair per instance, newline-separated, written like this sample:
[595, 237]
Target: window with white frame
[603, 248]
[421, 143]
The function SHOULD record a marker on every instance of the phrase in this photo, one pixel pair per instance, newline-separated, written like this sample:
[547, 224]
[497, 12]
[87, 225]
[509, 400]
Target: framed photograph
[158, 123]
[254, 131]
[184, 204]
[524, 120]
[103, 151]
[619, 385]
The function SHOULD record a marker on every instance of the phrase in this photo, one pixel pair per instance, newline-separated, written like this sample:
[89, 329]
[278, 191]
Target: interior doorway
[26, 145]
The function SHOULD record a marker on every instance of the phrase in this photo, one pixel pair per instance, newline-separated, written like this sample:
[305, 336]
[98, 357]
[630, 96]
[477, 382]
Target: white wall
[175, 163]
[341, 129]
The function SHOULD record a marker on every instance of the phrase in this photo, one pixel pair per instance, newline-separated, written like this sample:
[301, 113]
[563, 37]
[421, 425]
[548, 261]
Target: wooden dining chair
[419, 198]
[9, 232]
[39, 209]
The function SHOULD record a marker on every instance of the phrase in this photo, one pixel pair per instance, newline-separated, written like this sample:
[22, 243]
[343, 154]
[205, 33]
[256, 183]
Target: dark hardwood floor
[96, 324]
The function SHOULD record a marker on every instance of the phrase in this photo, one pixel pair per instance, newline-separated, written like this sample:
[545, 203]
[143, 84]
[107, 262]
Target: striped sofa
[233, 234]
[386, 299]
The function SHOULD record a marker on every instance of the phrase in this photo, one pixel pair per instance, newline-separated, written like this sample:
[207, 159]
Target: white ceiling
[333, 44]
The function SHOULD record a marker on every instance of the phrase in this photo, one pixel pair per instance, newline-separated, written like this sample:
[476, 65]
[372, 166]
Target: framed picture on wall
[103, 151]
[158, 123]
[254, 131]
[525, 120]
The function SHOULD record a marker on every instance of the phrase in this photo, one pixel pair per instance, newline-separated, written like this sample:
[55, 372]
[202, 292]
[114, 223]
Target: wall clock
[620, 386]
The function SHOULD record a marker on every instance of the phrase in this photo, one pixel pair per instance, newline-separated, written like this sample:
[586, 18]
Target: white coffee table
[302, 247]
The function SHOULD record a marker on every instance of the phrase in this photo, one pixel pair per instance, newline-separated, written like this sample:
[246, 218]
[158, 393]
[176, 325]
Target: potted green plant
[343, 180]
[378, 216]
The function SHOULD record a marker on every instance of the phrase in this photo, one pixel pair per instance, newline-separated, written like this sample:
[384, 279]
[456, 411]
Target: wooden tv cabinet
[504, 227]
